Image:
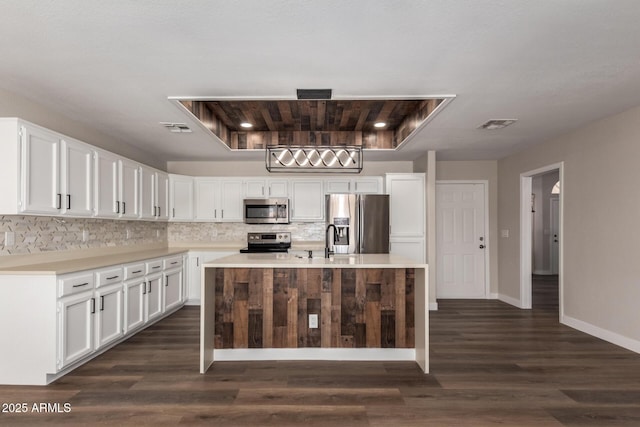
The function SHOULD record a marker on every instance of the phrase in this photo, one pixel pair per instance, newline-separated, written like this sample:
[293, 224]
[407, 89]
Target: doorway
[461, 239]
[538, 225]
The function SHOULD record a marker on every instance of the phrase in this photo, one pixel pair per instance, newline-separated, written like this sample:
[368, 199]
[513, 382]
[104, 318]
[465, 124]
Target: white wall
[601, 216]
[15, 105]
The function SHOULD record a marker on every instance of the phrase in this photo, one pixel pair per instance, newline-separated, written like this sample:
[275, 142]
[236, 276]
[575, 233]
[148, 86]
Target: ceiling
[554, 65]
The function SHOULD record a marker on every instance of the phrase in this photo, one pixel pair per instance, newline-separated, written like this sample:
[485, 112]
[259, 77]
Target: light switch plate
[313, 321]
[504, 233]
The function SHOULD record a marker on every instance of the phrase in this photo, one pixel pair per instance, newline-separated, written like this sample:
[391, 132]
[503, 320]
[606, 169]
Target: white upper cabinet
[231, 200]
[77, 178]
[307, 200]
[40, 170]
[407, 211]
[129, 189]
[361, 185]
[256, 188]
[218, 200]
[181, 198]
[162, 195]
[207, 196]
[154, 194]
[107, 185]
[148, 208]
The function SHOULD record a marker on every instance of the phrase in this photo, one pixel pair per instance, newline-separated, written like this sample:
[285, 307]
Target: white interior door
[461, 240]
[555, 234]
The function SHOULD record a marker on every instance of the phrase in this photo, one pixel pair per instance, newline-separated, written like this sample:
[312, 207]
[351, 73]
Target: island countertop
[298, 260]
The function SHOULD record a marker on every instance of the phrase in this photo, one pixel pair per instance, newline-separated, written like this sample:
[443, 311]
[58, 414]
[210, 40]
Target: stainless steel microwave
[266, 211]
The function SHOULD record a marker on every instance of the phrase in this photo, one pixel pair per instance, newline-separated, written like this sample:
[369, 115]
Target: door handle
[481, 246]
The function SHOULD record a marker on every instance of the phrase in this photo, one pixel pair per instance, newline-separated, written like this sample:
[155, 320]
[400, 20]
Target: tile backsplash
[36, 234]
[237, 232]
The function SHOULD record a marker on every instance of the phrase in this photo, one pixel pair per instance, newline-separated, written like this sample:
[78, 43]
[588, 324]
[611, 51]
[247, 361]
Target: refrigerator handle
[360, 224]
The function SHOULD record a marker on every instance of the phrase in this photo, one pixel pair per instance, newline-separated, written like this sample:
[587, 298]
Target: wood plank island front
[368, 307]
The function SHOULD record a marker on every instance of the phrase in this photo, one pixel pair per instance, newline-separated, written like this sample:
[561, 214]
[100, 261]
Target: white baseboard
[192, 302]
[542, 272]
[510, 300]
[604, 334]
[493, 295]
[352, 354]
[433, 306]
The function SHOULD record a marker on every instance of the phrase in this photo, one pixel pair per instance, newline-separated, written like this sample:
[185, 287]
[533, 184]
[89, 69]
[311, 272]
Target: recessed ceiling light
[497, 124]
[246, 125]
[176, 127]
[380, 124]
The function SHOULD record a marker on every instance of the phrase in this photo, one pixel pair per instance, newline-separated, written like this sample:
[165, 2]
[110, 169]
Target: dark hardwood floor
[491, 364]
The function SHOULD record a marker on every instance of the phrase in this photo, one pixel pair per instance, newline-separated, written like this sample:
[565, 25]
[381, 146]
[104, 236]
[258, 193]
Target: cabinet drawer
[154, 266]
[68, 285]
[133, 270]
[107, 277]
[173, 262]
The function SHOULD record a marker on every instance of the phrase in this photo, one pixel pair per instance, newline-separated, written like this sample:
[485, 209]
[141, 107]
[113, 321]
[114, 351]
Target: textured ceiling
[553, 64]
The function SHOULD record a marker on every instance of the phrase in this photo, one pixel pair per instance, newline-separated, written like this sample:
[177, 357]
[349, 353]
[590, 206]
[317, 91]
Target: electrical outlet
[313, 321]
[9, 238]
[85, 235]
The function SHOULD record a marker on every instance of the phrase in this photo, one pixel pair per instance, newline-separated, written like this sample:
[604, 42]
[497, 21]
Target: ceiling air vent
[314, 93]
[176, 127]
[497, 123]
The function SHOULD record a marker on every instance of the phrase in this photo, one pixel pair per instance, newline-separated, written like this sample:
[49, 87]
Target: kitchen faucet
[327, 252]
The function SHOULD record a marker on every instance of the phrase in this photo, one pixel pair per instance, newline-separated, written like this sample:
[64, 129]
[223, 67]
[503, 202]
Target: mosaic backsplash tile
[34, 234]
[237, 232]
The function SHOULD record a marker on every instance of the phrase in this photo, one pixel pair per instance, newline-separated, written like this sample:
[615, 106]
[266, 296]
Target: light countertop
[296, 260]
[65, 266]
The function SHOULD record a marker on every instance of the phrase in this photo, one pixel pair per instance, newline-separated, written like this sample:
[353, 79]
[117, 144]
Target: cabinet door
[406, 204]
[108, 315]
[154, 297]
[372, 185]
[255, 188]
[307, 201]
[129, 189]
[40, 190]
[172, 289]
[76, 327]
[181, 197]
[134, 304]
[162, 195]
[278, 188]
[194, 276]
[207, 199]
[76, 164]
[106, 185]
[231, 199]
[409, 248]
[338, 185]
[148, 207]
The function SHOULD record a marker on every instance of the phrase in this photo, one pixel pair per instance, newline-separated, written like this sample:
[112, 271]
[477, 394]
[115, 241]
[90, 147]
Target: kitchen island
[282, 306]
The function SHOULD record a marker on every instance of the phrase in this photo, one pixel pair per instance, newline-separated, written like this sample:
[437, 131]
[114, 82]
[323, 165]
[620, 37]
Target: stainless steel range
[279, 241]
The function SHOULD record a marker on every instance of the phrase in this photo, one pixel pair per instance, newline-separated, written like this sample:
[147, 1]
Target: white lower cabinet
[172, 289]
[108, 315]
[194, 272]
[134, 304]
[412, 248]
[76, 327]
[154, 297]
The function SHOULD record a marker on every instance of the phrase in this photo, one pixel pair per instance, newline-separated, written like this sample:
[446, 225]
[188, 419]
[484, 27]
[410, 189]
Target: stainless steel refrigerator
[361, 223]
